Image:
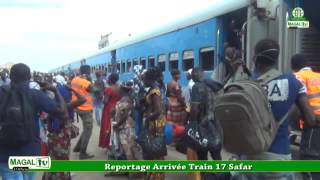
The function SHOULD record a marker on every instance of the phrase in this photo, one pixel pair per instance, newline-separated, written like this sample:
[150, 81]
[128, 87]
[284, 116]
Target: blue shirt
[42, 103]
[283, 92]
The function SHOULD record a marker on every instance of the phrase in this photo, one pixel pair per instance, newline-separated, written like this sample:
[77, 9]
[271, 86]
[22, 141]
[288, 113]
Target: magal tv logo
[297, 20]
[23, 163]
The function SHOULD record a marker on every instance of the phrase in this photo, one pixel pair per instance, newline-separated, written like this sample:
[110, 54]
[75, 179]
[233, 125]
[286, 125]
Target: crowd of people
[45, 107]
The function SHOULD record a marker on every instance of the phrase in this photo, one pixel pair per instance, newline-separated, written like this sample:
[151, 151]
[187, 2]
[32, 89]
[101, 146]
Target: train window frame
[123, 69]
[129, 68]
[212, 64]
[187, 57]
[118, 66]
[160, 60]
[173, 58]
[145, 62]
[149, 62]
[106, 67]
[109, 68]
[135, 62]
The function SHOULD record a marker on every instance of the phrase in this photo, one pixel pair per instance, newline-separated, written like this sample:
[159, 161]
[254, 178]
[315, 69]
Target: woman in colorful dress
[61, 131]
[177, 107]
[153, 115]
[124, 126]
[111, 97]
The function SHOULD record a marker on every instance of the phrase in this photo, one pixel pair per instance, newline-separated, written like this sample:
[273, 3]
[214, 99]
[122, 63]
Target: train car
[198, 40]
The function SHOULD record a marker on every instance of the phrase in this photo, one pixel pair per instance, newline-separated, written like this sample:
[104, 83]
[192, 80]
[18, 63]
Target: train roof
[216, 8]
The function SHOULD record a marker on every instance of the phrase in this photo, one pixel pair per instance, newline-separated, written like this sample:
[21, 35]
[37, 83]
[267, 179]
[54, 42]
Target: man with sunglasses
[283, 92]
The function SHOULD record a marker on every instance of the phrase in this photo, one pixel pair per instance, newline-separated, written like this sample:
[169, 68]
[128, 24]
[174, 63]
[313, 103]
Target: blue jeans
[98, 107]
[8, 174]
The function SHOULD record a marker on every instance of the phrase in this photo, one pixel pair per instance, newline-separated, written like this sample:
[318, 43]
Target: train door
[230, 33]
[114, 61]
[268, 19]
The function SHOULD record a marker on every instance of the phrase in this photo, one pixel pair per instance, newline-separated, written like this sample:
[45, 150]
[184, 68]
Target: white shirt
[190, 84]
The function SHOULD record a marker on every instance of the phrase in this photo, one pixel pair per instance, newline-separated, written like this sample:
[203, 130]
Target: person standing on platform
[14, 141]
[111, 97]
[310, 146]
[98, 97]
[176, 105]
[283, 92]
[153, 118]
[83, 86]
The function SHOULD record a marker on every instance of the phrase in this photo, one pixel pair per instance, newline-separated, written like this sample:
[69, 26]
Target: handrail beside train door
[243, 42]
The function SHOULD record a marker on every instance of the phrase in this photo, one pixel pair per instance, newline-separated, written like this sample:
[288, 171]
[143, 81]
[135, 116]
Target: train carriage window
[110, 67]
[162, 62]
[207, 58]
[129, 63]
[123, 66]
[105, 68]
[188, 60]
[118, 67]
[173, 63]
[151, 61]
[143, 63]
[135, 62]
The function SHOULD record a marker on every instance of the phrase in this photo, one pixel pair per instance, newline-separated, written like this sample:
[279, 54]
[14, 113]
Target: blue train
[199, 40]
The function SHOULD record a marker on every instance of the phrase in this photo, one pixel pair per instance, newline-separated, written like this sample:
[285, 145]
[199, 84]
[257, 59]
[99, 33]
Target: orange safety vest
[312, 82]
[81, 85]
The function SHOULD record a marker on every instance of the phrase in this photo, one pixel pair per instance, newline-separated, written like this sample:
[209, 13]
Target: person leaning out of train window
[233, 36]
[310, 146]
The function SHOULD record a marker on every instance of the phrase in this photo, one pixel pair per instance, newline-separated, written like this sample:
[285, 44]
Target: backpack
[207, 110]
[17, 123]
[246, 117]
[205, 134]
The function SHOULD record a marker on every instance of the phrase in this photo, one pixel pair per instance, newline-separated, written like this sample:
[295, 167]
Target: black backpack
[206, 133]
[17, 123]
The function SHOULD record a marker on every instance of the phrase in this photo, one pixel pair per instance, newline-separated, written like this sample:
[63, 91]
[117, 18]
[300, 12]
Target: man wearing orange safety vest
[83, 86]
[310, 140]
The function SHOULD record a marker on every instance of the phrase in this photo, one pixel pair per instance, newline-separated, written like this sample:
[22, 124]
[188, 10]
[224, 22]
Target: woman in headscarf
[124, 124]
[154, 118]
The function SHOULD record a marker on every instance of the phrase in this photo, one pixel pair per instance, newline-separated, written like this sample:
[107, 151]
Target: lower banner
[46, 164]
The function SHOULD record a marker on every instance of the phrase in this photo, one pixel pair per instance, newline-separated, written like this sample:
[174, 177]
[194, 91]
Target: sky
[46, 34]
